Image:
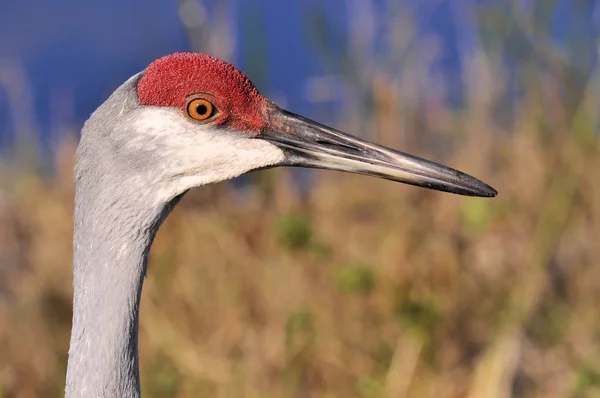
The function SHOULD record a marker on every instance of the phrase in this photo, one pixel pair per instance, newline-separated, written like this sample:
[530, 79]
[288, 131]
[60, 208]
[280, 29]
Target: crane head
[211, 123]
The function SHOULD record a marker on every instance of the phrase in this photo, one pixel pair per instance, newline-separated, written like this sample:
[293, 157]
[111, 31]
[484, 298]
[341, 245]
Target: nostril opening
[337, 146]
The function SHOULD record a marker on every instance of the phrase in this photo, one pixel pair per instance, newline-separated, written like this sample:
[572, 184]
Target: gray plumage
[115, 223]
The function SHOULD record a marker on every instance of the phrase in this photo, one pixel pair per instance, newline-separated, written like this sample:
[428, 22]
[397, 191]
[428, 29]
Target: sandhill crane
[187, 120]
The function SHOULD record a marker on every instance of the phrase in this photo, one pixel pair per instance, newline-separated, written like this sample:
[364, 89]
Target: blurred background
[295, 283]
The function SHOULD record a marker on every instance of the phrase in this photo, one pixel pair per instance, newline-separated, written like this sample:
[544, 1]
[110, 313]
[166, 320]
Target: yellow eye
[200, 109]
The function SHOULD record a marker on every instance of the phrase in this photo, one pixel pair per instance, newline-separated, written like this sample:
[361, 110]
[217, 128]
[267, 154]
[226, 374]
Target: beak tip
[487, 191]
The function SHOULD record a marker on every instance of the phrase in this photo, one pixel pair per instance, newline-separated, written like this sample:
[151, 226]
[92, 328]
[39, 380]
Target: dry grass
[364, 289]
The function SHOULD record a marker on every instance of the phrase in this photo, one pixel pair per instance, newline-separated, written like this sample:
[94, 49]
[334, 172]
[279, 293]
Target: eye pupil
[201, 109]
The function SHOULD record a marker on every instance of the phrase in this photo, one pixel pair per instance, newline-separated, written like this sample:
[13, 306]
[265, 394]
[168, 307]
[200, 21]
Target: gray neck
[115, 222]
[111, 244]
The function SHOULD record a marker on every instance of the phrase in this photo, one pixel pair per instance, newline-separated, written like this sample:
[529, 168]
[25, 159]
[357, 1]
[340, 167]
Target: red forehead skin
[171, 80]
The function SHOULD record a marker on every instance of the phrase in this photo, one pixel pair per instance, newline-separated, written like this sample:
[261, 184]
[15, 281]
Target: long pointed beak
[309, 144]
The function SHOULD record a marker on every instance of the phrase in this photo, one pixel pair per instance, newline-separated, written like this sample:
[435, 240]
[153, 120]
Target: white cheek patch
[193, 154]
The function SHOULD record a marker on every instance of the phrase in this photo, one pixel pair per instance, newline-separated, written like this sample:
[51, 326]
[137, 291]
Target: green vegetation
[356, 279]
[294, 231]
